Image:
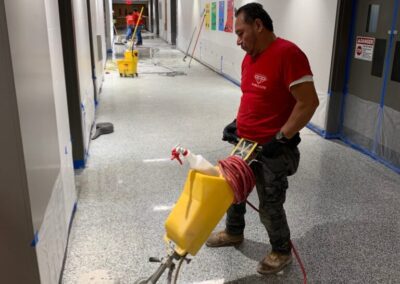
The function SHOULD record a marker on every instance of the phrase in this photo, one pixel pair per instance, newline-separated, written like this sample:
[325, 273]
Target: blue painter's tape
[79, 164]
[388, 54]
[109, 50]
[226, 76]
[96, 102]
[348, 63]
[75, 207]
[35, 239]
[323, 132]
[385, 77]
[229, 78]
[354, 146]
[370, 154]
[82, 107]
[316, 129]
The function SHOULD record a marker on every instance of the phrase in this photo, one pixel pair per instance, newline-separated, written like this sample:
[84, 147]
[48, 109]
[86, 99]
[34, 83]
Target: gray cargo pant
[271, 183]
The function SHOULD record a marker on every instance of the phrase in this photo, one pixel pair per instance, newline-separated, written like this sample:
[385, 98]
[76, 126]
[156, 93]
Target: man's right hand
[229, 134]
[275, 147]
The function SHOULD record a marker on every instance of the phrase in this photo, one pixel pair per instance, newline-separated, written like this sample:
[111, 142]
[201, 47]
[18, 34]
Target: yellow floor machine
[202, 204]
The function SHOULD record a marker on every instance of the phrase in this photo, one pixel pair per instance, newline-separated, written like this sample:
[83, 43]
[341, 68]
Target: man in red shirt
[130, 25]
[140, 24]
[278, 100]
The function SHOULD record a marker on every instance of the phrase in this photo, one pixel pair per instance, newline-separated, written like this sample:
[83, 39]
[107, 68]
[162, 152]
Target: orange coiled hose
[239, 176]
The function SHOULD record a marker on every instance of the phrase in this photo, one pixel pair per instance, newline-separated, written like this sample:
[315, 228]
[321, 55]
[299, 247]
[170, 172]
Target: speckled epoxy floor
[343, 208]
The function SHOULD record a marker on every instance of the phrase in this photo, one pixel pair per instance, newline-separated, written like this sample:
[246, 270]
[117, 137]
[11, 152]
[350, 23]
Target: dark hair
[135, 10]
[253, 11]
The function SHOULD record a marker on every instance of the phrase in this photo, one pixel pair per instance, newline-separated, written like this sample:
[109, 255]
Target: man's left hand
[230, 133]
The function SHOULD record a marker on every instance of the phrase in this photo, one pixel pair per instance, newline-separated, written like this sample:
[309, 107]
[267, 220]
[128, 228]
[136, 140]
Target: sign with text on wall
[364, 48]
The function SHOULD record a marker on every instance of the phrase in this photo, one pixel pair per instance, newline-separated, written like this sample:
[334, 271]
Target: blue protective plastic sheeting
[386, 76]
[368, 153]
[372, 152]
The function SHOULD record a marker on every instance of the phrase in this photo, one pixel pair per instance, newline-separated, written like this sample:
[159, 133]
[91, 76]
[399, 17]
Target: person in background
[130, 25]
[278, 100]
[140, 25]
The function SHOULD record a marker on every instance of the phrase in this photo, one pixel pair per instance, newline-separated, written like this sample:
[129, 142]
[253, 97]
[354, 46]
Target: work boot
[223, 239]
[274, 262]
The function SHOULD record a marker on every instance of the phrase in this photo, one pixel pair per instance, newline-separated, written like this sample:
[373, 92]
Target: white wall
[168, 11]
[109, 24]
[99, 51]
[163, 32]
[308, 23]
[61, 105]
[101, 30]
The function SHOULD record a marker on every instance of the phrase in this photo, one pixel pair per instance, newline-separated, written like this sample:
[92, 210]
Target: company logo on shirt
[259, 80]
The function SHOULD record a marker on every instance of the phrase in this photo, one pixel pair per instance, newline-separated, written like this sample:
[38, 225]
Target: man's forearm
[299, 118]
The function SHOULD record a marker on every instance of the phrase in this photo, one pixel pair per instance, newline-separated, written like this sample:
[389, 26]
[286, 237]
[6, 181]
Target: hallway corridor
[342, 206]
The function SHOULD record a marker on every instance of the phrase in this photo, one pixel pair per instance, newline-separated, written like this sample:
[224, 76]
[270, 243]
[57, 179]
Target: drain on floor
[98, 277]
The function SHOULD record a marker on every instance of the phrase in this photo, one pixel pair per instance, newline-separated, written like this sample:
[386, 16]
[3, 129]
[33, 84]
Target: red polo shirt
[129, 20]
[266, 102]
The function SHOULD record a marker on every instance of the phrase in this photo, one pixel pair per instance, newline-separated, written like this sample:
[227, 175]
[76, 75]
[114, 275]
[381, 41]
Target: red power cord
[241, 178]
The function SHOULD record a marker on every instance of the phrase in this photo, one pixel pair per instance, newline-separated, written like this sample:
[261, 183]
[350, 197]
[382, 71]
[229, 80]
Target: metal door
[371, 119]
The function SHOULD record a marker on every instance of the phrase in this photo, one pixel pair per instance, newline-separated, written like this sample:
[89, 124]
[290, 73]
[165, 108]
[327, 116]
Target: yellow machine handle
[137, 23]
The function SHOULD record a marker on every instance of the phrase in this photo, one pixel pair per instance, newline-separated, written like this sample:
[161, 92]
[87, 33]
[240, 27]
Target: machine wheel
[137, 75]
[120, 74]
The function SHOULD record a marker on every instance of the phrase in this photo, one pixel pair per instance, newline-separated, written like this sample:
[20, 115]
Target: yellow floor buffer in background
[202, 204]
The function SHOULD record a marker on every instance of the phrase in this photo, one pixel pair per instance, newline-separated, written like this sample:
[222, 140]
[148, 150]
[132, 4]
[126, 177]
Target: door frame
[343, 46]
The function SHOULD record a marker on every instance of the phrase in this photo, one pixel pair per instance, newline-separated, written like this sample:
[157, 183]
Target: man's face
[246, 34]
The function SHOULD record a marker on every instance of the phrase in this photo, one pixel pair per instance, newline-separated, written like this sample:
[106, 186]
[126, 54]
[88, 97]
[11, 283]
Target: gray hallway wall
[16, 227]
[44, 195]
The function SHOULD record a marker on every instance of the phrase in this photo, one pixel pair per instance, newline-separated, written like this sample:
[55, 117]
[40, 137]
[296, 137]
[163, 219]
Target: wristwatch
[280, 137]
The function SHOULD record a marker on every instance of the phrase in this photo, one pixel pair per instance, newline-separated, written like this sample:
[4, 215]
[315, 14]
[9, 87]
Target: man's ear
[259, 25]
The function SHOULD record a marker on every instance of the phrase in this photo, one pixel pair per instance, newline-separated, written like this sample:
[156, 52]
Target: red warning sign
[364, 48]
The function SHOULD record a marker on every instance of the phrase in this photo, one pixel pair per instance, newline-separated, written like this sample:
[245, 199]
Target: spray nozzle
[177, 151]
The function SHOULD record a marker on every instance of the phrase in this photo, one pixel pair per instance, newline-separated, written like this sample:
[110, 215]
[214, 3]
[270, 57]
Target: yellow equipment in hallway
[128, 65]
[201, 206]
